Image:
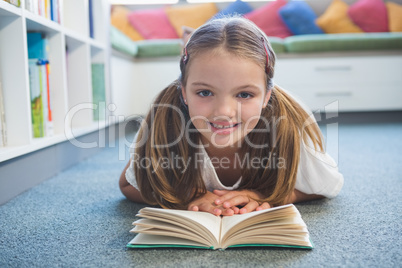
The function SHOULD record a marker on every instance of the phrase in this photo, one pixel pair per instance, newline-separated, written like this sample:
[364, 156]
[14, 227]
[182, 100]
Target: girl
[224, 138]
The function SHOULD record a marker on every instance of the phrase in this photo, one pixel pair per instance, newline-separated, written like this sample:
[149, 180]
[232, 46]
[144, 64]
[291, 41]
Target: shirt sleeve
[317, 173]
[130, 177]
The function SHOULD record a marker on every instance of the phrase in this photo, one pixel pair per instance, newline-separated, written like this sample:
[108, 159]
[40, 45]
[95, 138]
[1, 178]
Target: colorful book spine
[39, 74]
[91, 19]
[98, 91]
[47, 8]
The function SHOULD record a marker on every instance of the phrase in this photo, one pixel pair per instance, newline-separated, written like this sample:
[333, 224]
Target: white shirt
[317, 173]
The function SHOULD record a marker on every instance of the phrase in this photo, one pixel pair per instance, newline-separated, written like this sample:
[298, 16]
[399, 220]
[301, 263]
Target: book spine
[28, 5]
[47, 9]
[91, 22]
[49, 119]
[36, 98]
[36, 6]
[98, 91]
[51, 4]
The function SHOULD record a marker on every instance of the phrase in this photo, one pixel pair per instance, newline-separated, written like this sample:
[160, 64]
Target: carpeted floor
[79, 218]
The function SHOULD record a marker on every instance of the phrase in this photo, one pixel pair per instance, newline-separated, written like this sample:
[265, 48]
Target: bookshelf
[71, 53]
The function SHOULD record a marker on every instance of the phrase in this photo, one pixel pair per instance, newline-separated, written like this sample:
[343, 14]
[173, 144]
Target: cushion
[122, 43]
[336, 20]
[236, 8]
[300, 18]
[119, 19]
[277, 44]
[190, 15]
[267, 18]
[159, 48]
[152, 24]
[369, 15]
[394, 17]
[343, 42]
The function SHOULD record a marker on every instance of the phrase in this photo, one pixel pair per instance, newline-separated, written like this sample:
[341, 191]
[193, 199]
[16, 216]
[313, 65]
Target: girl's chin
[220, 141]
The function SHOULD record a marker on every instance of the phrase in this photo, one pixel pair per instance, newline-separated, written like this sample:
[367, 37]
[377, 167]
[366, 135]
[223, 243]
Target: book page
[203, 220]
[229, 222]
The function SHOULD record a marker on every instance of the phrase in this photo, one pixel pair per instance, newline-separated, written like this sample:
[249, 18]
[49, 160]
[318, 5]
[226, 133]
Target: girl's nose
[226, 108]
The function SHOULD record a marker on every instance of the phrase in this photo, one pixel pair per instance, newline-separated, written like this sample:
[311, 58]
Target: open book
[279, 227]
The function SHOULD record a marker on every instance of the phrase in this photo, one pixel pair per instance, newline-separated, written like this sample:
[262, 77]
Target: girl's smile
[225, 95]
[223, 128]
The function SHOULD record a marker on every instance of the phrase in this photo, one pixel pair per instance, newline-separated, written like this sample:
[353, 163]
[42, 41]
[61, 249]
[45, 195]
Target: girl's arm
[127, 189]
[297, 196]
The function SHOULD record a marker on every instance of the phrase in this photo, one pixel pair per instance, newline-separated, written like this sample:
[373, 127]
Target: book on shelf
[39, 83]
[280, 226]
[14, 2]
[47, 8]
[91, 19]
[98, 91]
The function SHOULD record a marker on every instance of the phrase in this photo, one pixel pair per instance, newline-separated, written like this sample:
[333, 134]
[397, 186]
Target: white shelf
[10, 152]
[70, 71]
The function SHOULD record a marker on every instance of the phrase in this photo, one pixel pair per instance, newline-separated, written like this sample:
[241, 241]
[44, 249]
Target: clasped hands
[228, 203]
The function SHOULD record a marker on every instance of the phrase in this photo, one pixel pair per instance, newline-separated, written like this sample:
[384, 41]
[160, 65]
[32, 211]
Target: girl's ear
[183, 93]
[267, 97]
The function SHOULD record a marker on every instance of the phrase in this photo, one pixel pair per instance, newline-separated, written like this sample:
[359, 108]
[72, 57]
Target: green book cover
[98, 91]
[35, 86]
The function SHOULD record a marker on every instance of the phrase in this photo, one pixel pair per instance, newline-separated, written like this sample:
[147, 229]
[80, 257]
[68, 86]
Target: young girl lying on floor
[225, 139]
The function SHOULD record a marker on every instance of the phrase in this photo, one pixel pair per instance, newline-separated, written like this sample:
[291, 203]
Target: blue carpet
[80, 219]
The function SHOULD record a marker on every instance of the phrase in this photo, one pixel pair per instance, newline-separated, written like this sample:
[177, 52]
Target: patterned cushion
[300, 18]
[394, 17]
[236, 8]
[190, 15]
[119, 19]
[369, 15]
[267, 18]
[336, 20]
[152, 24]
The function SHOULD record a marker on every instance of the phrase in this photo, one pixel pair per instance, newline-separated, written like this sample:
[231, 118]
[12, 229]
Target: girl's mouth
[223, 128]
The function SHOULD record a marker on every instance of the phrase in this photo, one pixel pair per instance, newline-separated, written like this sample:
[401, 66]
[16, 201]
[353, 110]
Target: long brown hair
[167, 130]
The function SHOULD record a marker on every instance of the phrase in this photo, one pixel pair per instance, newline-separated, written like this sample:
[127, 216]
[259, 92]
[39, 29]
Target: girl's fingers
[251, 206]
[236, 210]
[238, 200]
[193, 208]
[210, 208]
[228, 212]
[223, 196]
[263, 206]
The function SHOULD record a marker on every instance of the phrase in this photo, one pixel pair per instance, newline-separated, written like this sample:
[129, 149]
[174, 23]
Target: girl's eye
[244, 95]
[205, 93]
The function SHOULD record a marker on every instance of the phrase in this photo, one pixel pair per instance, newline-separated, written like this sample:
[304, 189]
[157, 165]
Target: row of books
[40, 87]
[14, 2]
[47, 8]
[51, 9]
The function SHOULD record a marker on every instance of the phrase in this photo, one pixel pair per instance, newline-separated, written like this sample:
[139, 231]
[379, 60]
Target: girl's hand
[206, 203]
[246, 198]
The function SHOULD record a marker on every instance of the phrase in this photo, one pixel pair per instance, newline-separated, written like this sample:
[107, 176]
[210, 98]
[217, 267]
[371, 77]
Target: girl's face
[225, 95]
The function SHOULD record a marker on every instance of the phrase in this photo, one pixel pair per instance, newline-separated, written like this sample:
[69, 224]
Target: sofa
[333, 59]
